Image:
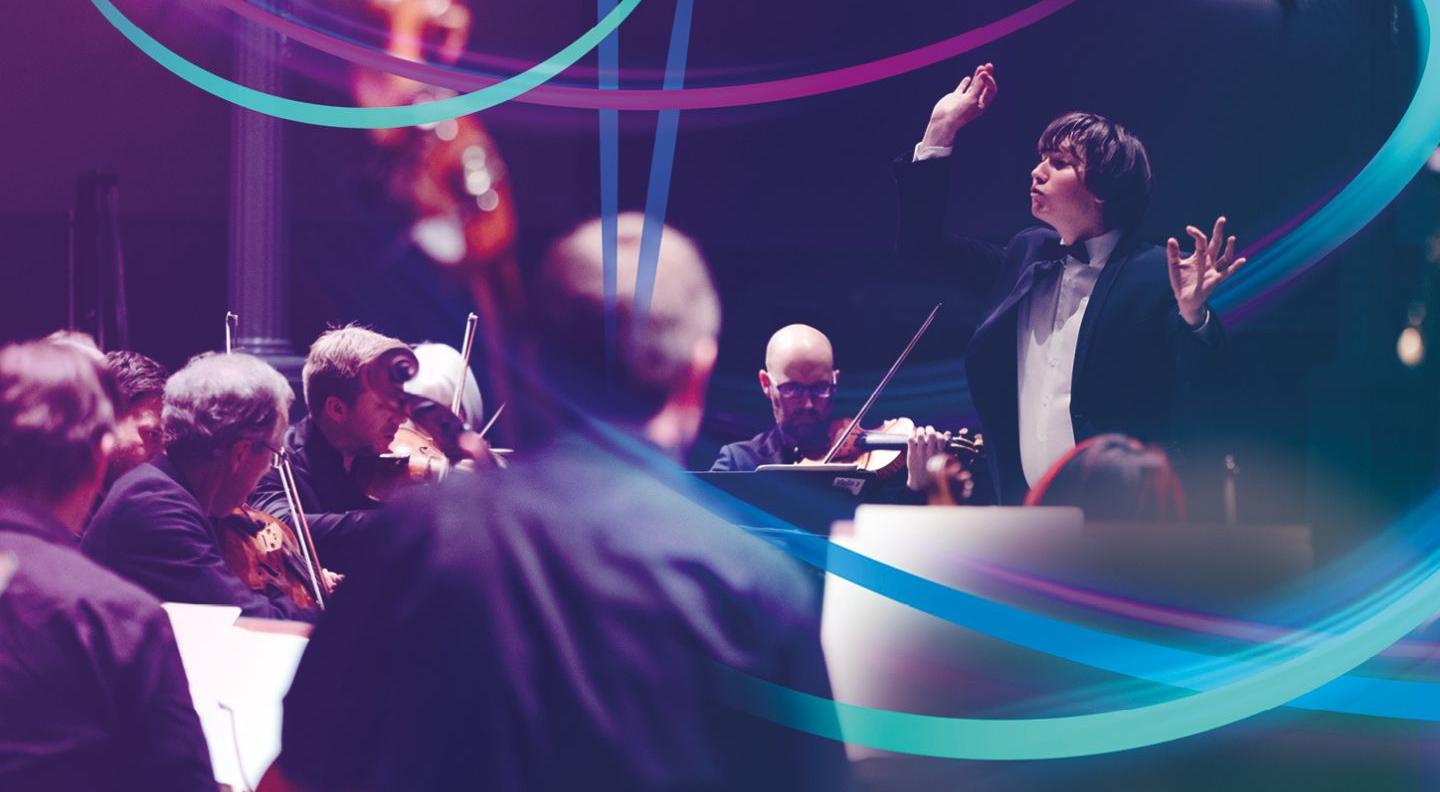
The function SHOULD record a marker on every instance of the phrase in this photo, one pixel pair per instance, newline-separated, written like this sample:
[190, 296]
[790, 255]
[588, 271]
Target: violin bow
[302, 529]
[491, 422]
[232, 324]
[466, 347]
[875, 394]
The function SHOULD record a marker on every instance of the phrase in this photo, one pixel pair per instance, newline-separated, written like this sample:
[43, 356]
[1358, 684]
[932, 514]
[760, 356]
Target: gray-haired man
[224, 418]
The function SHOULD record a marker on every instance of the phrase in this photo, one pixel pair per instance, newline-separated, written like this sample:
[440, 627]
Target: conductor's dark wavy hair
[1114, 165]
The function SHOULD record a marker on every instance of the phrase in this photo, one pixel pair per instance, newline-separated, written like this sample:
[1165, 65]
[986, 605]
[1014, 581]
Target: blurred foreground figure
[92, 693]
[557, 625]
[1114, 478]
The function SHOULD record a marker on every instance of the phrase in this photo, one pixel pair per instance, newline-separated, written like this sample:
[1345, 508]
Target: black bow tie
[1055, 251]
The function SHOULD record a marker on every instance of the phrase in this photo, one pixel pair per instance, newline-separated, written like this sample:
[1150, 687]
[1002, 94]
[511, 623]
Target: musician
[799, 380]
[224, 418]
[1114, 478]
[347, 420]
[92, 692]
[555, 626]
[439, 375]
[138, 436]
[1084, 328]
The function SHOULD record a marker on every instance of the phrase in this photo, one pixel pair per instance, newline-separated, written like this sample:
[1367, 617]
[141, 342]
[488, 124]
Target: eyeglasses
[275, 454]
[794, 391]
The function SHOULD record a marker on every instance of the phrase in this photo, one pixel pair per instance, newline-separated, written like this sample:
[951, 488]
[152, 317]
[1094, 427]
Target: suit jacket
[92, 692]
[555, 626]
[766, 448]
[1134, 355]
[337, 510]
[152, 531]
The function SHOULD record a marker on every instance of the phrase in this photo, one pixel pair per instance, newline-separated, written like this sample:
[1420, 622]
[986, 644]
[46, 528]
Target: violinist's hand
[332, 579]
[966, 103]
[923, 444]
[477, 452]
[1192, 279]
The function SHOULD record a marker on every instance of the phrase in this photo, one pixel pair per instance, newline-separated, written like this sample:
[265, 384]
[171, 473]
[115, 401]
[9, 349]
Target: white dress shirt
[1047, 328]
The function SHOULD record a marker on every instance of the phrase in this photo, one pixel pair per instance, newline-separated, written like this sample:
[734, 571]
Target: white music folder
[238, 680]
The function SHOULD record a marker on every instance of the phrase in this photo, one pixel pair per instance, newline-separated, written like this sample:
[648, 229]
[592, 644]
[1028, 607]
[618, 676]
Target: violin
[883, 450]
[853, 447]
[264, 553]
[433, 442]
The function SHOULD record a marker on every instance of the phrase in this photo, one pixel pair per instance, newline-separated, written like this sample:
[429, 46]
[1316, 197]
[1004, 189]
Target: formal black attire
[152, 531]
[340, 514]
[556, 626]
[1134, 355]
[92, 692]
[767, 448]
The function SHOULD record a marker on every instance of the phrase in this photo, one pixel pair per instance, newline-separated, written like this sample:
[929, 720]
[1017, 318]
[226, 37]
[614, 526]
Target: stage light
[1411, 347]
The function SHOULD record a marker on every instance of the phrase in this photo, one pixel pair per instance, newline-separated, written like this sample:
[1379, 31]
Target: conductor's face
[1060, 199]
[800, 397]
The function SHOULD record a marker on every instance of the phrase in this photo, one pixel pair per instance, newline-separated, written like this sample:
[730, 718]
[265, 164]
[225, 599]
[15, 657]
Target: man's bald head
[798, 344]
[653, 356]
[799, 379]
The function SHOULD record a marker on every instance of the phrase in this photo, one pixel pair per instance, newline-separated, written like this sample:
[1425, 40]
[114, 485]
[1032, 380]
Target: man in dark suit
[1084, 329]
[92, 692]
[348, 420]
[557, 626]
[224, 418]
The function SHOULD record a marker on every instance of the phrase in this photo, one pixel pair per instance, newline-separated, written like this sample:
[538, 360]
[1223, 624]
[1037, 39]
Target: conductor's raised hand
[966, 103]
[1195, 277]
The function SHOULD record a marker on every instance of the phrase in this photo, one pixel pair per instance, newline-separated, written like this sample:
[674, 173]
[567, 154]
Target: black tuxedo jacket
[1134, 356]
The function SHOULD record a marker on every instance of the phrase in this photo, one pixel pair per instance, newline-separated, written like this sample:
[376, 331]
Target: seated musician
[224, 418]
[347, 420]
[557, 626]
[92, 692]
[138, 438]
[799, 380]
[438, 376]
[1113, 478]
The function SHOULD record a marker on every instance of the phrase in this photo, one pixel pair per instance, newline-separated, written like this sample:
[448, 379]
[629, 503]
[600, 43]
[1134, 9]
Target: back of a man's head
[655, 344]
[55, 411]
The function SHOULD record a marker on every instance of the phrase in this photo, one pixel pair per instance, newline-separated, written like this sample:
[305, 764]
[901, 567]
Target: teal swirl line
[1408, 607]
[1264, 687]
[1387, 173]
[367, 117]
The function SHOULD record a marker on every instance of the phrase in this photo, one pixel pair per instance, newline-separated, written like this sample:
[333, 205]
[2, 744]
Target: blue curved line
[1131, 657]
[1387, 173]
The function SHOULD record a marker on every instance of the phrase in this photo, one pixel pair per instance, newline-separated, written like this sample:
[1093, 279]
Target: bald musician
[799, 380]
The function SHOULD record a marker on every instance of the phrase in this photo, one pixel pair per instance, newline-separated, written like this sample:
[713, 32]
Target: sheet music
[238, 680]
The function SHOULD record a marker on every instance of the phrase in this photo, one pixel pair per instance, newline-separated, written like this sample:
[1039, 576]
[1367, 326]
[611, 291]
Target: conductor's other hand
[1194, 278]
[966, 103]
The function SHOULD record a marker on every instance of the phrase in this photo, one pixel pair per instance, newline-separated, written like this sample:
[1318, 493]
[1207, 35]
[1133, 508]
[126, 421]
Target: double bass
[449, 177]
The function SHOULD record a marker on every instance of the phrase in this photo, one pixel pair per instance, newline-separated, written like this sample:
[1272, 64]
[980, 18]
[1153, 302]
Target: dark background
[1251, 108]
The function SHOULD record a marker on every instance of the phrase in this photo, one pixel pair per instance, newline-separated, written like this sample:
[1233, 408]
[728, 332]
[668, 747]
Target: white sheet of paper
[238, 680]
